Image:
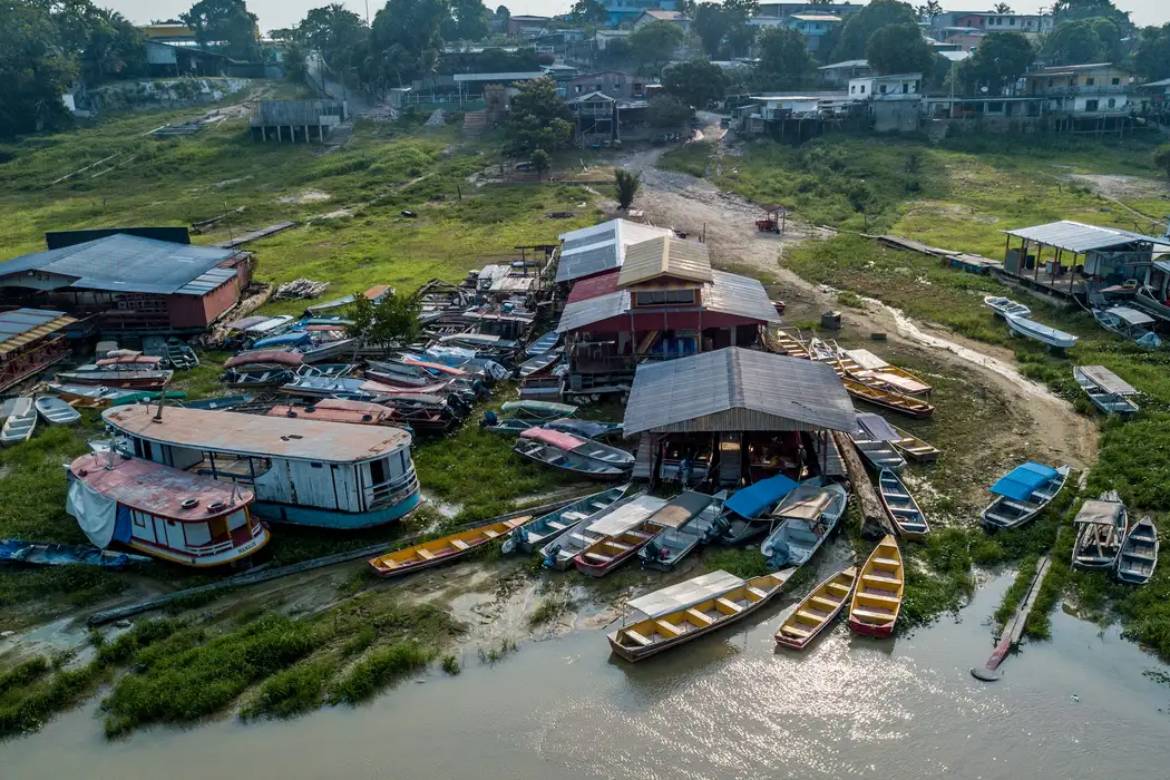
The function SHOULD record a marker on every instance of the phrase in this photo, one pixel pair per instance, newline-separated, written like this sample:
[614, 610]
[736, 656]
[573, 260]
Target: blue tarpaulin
[297, 339]
[1022, 481]
[754, 499]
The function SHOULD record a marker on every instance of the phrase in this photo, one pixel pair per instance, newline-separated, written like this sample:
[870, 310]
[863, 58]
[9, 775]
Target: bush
[379, 669]
[291, 692]
[1162, 159]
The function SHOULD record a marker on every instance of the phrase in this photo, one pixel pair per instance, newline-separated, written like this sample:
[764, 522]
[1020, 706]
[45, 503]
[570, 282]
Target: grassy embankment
[362, 239]
[960, 195]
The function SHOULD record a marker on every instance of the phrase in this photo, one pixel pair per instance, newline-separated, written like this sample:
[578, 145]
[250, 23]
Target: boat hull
[599, 570]
[869, 629]
[342, 521]
[237, 553]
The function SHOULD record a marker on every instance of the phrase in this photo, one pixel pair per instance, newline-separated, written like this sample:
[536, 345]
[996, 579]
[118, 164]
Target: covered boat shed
[1063, 257]
[737, 415]
[30, 341]
[601, 248]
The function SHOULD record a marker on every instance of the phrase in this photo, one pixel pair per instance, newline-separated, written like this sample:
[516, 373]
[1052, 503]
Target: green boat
[538, 410]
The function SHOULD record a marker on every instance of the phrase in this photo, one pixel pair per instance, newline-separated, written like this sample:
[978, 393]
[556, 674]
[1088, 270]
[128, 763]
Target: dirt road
[697, 206]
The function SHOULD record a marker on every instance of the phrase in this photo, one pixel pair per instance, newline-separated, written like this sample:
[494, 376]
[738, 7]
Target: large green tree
[860, 26]
[538, 119]
[784, 59]
[339, 35]
[405, 41]
[225, 23]
[696, 83]
[34, 70]
[653, 44]
[468, 21]
[1000, 59]
[1082, 41]
[710, 25]
[1152, 59]
[739, 35]
[589, 12]
[1073, 10]
[899, 48]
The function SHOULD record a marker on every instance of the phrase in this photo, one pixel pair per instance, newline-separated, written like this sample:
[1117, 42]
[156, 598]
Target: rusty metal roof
[249, 434]
[24, 326]
[157, 489]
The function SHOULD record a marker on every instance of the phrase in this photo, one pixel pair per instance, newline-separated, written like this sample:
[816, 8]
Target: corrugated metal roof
[206, 282]
[1108, 381]
[250, 434]
[665, 256]
[775, 391]
[601, 247]
[579, 314]
[525, 75]
[22, 326]
[123, 263]
[1077, 236]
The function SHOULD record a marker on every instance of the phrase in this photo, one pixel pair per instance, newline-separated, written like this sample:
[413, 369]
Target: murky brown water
[725, 707]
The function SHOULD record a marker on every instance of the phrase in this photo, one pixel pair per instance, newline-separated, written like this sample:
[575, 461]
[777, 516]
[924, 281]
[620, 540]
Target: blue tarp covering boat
[40, 554]
[294, 339]
[1019, 483]
[754, 499]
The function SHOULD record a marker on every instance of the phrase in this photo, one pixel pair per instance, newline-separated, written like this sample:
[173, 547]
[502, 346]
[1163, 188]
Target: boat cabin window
[237, 519]
[196, 534]
[378, 471]
[143, 449]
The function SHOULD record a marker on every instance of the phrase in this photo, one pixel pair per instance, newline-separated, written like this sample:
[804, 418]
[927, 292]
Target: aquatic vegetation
[548, 610]
[745, 562]
[379, 669]
[298, 689]
[450, 665]
[496, 652]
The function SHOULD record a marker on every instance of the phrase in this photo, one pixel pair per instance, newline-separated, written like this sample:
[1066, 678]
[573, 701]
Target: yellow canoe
[818, 610]
[877, 599]
[915, 448]
[898, 402]
[447, 548]
[654, 635]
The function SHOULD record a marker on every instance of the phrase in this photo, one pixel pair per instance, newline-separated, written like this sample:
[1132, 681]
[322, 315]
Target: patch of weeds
[142, 635]
[850, 299]
[745, 562]
[548, 610]
[381, 667]
[23, 674]
[1016, 592]
[450, 665]
[359, 642]
[938, 577]
[496, 652]
[27, 708]
[298, 689]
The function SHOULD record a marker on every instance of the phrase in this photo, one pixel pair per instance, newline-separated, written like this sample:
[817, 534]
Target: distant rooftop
[22, 326]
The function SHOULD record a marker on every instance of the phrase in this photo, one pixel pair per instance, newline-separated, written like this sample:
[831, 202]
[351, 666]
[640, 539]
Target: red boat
[610, 552]
[877, 598]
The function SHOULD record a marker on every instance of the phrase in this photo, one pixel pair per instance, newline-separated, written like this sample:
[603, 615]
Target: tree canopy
[722, 28]
[860, 26]
[538, 119]
[589, 12]
[339, 35]
[1152, 59]
[899, 48]
[653, 44]
[695, 83]
[784, 60]
[666, 111]
[228, 24]
[1096, 39]
[1000, 59]
[468, 21]
[405, 40]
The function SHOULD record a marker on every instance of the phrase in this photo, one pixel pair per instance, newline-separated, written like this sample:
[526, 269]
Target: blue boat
[546, 528]
[805, 519]
[736, 525]
[590, 429]
[1022, 493]
[42, 554]
[297, 338]
[670, 546]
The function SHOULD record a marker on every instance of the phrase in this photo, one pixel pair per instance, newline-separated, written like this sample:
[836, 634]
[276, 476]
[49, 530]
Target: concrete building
[1090, 90]
[899, 85]
[130, 283]
[296, 121]
[613, 83]
[840, 73]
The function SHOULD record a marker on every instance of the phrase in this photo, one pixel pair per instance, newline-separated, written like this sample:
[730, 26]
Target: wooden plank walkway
[255, 235]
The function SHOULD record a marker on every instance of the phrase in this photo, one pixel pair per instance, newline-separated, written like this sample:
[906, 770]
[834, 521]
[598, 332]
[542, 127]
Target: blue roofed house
[813, 26]
[619, 12]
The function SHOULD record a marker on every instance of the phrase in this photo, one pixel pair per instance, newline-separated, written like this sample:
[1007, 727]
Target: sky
[286, 13]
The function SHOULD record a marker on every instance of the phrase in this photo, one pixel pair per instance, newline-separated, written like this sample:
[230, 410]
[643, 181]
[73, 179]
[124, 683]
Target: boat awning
[1098, 512]
[627, 516]
[558, 439]
[685, 594]
[905, 384]
[1131, 316]
[1079, 237]
[681, 509]
[1108, 381]
[877, 427]
[1022, 481]
[866, 359]
[754, 499]
[808, 506]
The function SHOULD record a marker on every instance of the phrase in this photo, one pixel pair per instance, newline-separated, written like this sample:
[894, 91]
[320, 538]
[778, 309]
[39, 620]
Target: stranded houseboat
[170, 514]
[304, 472]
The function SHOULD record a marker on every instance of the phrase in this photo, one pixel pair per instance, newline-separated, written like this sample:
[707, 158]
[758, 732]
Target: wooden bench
[800, 632]
[879, 597]
[865, 613]
[632, 634]
[886, 562]
[735, 608]
[881, 580]
[489, 533]
[699, 616]
[460, 544]
[670, 628]
[424, 553]
[824, 602]
[756, 591]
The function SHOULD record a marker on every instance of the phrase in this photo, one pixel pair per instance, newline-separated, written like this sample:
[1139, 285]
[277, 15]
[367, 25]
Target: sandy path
[697, 206]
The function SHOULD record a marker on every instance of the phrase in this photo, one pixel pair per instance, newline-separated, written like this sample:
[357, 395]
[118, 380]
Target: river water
[726, 706]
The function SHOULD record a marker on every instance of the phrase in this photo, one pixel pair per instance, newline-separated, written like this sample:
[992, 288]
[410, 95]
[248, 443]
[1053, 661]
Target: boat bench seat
[729, 604]
[756, 592]
[597, 557]
[791, 629]
[813, 617]
[425, 554]
[869, 614]
[572, 516]
[869, 594]
[489, 533]
[459, 543]
[886, 562]
[617, 545]
[1018, 506]
[699, 616]
[823, 602]
[632, 634]
[553, 524]
[839, 587]
[882, 580]
[669, 628]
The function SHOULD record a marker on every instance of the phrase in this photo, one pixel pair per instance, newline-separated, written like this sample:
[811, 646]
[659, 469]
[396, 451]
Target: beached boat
[219, 402]
[304, 472]
[783, 343]
[914, 448]
[1129, 323]
[42, 554]
[877, 599]
[700, 606]
[537, 410]
[620, 517]
[87, 395]
[573, 454]
[55, 411]
[1100, 527]
[671, 545]
[610, 552]
[590, 429]
[744, 514]
[1147, 299]
[901, 507]
[1139, 553]
[1022, 493]
[803, 521]
[21, 422]
[864, 366]
[1005, 307]
[537, 364]
[817, 611]
[137, 379]
[887, 399]
[879, 453]
[164, 512]
[546, 528]
[1106, 390]
[1045, 334]
[443, 550]
[546, 343]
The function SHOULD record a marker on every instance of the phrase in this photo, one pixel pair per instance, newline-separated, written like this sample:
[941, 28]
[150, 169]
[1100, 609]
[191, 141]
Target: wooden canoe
[914, 448]
[901, 507]
[818, 610]
[656, 634]
[895, 402]
[877, 599]
[610, 552]
[1139, 553]
[444, 549]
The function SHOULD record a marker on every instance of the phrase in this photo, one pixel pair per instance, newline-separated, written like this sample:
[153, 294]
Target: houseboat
[304, 472]
[162, 511]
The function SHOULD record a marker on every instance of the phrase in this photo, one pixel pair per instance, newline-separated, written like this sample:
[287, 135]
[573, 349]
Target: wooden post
[874, 523]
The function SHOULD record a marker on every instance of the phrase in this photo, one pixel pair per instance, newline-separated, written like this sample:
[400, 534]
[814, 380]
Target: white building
[895, 86]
